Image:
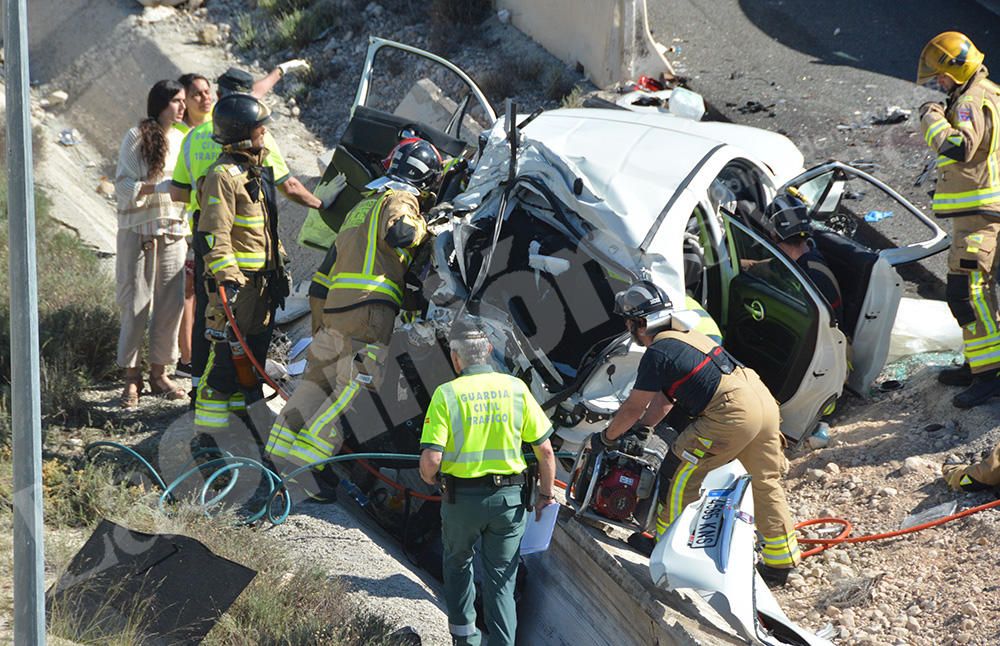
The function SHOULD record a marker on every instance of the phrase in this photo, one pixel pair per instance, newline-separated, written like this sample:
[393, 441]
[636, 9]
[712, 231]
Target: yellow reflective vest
[367, 268]
[964, 134]
[479, 421]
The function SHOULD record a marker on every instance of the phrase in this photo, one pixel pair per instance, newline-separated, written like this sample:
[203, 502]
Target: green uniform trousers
[497, 518]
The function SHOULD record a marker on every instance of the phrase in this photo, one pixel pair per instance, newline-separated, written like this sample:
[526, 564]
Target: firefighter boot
[774, 577]
[956, 376]
[983, 388]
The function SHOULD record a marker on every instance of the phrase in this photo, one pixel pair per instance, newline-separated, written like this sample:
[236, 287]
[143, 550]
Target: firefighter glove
[929, 106]
[958, 479]
[641, 432]
[232, 291]
[599, 443]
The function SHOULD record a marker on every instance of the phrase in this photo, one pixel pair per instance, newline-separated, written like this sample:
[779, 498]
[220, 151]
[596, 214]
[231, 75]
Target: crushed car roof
[619, 170]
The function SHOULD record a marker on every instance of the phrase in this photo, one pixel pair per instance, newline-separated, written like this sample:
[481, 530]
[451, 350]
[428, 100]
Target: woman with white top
[151, 244]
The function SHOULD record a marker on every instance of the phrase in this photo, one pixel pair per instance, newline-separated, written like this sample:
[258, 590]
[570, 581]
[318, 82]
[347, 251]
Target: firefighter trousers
[218, 392]
[344, 358]
[987, 471]
[971, 289]
[742, 423]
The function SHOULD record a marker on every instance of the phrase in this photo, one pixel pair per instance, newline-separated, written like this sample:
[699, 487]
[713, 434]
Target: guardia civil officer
[729, 414]
[473, 433]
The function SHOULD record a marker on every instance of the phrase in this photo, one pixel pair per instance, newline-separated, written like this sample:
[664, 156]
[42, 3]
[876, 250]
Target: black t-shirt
[686, 375]
[819, 273]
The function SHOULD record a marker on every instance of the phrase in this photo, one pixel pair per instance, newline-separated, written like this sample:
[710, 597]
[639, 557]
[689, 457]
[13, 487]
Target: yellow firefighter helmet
[952, 54]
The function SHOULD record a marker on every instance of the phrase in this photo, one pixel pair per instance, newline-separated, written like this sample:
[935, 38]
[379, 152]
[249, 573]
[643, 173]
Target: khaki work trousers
[971, 291]
[149, 272]
[306, 431]
[987, 471]
[742, 423]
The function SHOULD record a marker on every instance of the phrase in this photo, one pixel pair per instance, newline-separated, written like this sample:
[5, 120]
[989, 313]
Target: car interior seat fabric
[852, 264]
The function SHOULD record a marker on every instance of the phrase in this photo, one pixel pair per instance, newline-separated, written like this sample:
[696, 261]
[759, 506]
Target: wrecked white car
[594, 199]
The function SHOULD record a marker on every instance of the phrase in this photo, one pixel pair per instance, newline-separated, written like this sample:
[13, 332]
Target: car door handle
[755, 309]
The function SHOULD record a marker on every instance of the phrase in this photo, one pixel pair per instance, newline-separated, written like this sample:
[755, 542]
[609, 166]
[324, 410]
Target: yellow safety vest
[480, 420]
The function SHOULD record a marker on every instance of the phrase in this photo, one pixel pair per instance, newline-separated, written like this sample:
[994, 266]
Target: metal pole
[29, 552]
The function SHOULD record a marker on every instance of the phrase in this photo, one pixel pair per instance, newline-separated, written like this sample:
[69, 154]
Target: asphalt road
[822, 71]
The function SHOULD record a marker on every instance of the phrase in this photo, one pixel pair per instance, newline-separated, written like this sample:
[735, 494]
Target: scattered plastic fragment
[927, 515]
[877, 216]
[893, 114]
[70, 137]
[820, 437]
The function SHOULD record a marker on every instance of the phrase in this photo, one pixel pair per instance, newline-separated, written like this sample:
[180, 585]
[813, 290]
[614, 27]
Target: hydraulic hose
[845, 534]
[277, 485]
[242, 341]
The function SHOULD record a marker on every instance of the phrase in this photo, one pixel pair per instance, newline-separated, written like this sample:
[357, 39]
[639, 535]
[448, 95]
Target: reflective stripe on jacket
[367, 268]
[236, 227]
[964, 134]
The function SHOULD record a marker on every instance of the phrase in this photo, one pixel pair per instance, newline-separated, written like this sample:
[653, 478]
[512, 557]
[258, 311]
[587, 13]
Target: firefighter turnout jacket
[964, 134]
[374, 250]
[238, 220]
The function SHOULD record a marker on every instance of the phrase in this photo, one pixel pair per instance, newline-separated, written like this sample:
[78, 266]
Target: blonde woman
[151, 245]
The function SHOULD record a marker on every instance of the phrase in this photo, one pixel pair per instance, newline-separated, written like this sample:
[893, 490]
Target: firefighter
[199, 151]
[964, 134]
[472, 433]
[985, 474]
[723, 412]
[238, 229]
[365, 288]
[789, 218]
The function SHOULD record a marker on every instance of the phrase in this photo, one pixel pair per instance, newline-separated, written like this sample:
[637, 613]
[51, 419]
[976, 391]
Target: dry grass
[288, 603]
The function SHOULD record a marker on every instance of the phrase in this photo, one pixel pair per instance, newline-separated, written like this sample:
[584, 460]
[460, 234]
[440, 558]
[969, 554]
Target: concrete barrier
[609, 38]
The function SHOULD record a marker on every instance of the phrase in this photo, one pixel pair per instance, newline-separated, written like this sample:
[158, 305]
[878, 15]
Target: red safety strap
[680, 382]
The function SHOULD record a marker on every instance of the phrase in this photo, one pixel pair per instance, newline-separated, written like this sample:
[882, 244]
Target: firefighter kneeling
[731, 415]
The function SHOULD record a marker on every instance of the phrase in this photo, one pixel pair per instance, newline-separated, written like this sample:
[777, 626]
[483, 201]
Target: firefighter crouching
[731, 415]
[238, 231]
[366, 284]
[964, 133]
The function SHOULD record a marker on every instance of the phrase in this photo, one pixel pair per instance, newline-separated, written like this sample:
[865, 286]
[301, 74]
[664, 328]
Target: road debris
[893, 114]
[877, 216]
[70, 137]
[753, 107]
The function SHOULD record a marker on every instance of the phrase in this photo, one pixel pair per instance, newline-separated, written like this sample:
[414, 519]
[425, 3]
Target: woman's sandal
[173, 394]
[129, 398]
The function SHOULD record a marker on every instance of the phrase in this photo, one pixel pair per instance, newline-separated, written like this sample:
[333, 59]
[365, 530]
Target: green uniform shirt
[479, 422]
[199, 151]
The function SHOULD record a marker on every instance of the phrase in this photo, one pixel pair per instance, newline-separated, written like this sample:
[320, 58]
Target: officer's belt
[492, 480]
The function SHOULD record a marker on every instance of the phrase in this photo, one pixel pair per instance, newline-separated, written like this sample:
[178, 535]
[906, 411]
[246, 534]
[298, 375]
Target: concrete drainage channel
[587, 589]
[590, 589]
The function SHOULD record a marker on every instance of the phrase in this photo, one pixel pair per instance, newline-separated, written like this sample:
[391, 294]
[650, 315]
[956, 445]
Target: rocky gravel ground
[934, 587]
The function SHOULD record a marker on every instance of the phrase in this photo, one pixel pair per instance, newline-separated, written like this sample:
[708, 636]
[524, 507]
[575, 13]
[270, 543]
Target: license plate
[709, 526]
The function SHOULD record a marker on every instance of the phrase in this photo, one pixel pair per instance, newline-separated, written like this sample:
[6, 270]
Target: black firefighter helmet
[235, 117]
